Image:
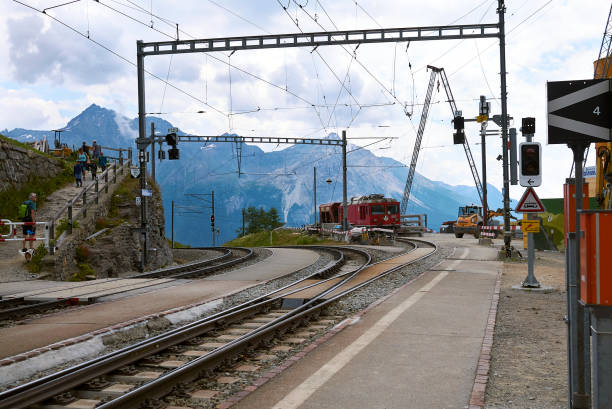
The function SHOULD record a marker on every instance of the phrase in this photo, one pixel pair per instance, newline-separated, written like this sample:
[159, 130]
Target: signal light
[173, 154]
[459, 123]
[459, 136]
[528, 126]
[530, 164]
[171, 139]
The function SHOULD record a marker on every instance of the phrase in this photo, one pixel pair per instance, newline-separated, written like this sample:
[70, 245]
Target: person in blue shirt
[78, 174]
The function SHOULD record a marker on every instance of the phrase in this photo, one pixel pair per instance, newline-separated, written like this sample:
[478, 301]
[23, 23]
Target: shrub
[39, 253]
[82, 253]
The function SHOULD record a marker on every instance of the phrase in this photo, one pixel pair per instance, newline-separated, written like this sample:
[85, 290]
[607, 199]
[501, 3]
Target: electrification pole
[172, 223]
[141, 144]
[501, 10]
[212, 217]
[314, 201]
[344, 210]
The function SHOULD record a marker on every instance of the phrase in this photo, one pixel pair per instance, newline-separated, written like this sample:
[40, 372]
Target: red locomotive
[373, 210]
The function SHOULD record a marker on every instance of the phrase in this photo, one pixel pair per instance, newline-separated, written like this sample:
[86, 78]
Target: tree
[256, 220]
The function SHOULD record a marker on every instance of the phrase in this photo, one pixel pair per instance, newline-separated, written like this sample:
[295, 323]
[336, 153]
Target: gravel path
[12, 263]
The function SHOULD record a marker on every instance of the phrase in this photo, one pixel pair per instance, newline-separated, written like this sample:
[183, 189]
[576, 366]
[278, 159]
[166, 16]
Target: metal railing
[87, 194]
[12, 234]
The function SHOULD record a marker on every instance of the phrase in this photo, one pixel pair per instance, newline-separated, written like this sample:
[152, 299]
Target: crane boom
[466, 145]
[417, 143]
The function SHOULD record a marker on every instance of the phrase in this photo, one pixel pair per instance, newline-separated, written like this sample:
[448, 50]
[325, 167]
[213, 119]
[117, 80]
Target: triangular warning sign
[530, 203]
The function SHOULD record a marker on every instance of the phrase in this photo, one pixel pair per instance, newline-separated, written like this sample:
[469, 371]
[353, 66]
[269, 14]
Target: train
[374, 210]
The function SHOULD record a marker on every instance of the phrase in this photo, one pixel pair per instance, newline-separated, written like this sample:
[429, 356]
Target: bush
[63, 226]
[84, 271]
[34, 264]
[82, 253]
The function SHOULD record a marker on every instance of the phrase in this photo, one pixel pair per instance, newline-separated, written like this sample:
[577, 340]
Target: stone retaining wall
[18, 165]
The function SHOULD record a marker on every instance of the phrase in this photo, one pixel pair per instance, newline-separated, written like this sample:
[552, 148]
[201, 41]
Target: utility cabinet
[596, 257]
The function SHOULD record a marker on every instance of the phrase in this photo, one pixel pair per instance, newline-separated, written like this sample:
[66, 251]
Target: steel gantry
[325, 38]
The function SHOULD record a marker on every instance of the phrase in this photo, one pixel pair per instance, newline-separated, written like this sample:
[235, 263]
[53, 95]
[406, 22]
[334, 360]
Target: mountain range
[282, 178]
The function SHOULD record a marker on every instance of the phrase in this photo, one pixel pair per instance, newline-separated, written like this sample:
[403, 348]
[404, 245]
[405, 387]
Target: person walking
[78, 174]
[96, 150]
[29, 230]
[102, 161]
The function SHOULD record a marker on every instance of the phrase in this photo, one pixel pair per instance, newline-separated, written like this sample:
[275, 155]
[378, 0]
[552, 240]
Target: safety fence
[13, 231]
[496, 231]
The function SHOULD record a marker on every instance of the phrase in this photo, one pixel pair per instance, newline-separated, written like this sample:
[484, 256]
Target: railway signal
[459, 135]
[530, 164]
[172, 140]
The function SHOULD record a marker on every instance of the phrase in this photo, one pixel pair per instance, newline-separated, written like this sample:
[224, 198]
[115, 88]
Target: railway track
[168, 364]
[13, 309]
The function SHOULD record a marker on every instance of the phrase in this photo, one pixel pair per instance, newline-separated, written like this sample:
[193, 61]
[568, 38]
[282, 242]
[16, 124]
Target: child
[78, 174]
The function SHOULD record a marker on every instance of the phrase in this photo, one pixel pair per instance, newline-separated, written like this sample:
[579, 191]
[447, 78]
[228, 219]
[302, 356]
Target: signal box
[596, 257]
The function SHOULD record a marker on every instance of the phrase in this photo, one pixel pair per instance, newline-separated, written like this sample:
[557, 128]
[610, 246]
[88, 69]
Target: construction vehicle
[470, 220]
[60, 150]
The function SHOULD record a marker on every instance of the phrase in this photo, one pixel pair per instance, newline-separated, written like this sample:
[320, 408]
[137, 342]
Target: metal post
[85, 202]
[530, 281]
[172, 224]
[141, 143]
[314, 200]
[115, 172]
[106, 180]
[485, 215]
[501, 10]
[153, 152]
[571, 295]
[52, 236]
[121, 157]
[601, 328]
[581, 396]
[344, 199]
[212, 223]
[97, 192]
[70, 218]
[243, 221]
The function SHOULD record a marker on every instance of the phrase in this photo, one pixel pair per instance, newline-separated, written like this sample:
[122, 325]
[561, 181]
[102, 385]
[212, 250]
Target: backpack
[23, 210]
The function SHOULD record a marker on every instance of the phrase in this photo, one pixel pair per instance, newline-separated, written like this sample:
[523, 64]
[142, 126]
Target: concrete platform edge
[239, 395]
[477, 400]
[122, 326]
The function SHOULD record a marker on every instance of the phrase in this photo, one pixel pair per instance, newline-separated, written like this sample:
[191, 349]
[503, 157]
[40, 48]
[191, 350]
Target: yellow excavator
[470, 220]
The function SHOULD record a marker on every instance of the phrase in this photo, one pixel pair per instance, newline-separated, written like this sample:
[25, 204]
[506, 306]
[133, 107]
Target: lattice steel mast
[419, 137]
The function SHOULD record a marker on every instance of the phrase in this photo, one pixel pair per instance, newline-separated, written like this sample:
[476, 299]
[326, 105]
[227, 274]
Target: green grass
[126, 191]
[279, 238]
[178, 245]
[63, 226]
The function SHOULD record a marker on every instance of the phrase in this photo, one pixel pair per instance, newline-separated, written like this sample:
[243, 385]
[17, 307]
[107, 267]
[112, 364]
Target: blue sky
[52, 73]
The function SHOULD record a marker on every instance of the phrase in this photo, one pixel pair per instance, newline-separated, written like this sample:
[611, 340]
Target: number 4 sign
[579, 111]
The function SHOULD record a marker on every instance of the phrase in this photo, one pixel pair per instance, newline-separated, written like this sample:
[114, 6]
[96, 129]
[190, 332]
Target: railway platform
[427, 345]
[140, 304]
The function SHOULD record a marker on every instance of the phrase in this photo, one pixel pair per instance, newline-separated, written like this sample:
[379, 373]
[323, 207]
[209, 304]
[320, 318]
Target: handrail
[83, 196]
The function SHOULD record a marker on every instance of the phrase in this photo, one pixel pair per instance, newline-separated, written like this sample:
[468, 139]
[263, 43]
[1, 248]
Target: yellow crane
[603, 69]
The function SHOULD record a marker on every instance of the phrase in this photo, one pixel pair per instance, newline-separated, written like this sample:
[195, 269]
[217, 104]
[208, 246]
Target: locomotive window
[378, 209]
[363, 211]
[391, 209]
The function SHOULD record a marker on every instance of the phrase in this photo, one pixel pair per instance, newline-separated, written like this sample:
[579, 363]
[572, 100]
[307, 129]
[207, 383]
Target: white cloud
[43, 54]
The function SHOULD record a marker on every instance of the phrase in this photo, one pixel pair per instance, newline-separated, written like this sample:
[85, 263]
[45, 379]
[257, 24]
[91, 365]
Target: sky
[81, 52]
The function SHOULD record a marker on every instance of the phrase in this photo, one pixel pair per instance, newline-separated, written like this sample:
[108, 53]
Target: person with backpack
[27, 213]
[102, 161]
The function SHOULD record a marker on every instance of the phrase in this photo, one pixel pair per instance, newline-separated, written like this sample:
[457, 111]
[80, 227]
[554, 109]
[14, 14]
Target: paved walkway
[44, 331]
[417, 349]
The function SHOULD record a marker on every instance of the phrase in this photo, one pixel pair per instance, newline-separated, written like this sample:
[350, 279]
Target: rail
[84, 195]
